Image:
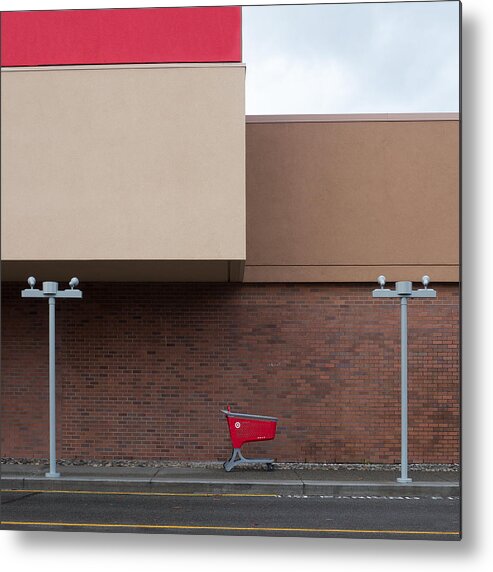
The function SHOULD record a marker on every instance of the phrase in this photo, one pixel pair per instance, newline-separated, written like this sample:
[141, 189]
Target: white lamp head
[425, 280]
[73, 282]
[31, 281]
[381, 281]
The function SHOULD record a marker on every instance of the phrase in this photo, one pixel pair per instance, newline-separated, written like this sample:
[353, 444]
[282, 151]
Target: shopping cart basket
[244, 428]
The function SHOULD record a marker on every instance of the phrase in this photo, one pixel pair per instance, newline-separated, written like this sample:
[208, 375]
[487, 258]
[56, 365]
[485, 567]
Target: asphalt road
[418, 518]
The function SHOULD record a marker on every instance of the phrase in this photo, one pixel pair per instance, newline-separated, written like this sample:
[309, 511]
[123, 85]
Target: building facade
[224, 258]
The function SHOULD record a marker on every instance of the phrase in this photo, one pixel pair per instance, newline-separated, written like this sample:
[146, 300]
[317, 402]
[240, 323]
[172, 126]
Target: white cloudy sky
[352, 58]
[336, 58]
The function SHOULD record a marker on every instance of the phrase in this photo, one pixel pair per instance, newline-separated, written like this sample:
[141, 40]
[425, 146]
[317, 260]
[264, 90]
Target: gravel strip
[426, 467]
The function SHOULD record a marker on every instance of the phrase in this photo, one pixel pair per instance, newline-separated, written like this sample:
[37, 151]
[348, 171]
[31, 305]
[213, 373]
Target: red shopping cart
[245, 428]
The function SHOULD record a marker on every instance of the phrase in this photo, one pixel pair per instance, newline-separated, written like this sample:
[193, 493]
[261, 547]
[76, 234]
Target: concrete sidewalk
[281, 481]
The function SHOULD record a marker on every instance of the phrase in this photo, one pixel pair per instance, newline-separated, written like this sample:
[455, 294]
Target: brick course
[143, 369]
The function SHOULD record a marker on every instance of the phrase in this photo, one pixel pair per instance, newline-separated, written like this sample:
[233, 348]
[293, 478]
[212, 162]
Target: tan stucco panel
[135, 163]
[345, 195]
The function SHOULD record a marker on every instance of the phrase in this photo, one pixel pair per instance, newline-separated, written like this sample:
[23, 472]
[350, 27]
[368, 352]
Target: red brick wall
[143, 370]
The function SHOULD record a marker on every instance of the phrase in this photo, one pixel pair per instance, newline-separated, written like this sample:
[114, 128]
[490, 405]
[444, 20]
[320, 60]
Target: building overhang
[124, 270]
[131, 172]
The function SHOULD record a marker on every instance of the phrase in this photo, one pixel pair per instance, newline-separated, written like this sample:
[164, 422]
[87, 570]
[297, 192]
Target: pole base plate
[52, 475]
[404, 481]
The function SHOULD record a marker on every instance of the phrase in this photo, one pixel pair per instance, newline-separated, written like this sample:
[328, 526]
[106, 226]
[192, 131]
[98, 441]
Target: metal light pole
[404, 290]
[50, 291]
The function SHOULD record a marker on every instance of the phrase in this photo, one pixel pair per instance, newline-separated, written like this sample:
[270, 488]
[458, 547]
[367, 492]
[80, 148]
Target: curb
[382, 489]
[204, 486]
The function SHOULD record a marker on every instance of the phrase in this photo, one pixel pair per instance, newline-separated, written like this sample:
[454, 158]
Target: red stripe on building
[161, 35]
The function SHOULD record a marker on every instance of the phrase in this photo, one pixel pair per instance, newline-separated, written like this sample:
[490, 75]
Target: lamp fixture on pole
[51, 292]
[404, 291]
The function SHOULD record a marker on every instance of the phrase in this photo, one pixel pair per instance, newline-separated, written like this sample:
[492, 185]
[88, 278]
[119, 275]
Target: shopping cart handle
[248, 416]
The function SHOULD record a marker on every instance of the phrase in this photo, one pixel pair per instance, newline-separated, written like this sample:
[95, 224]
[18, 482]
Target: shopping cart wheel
[228, 467]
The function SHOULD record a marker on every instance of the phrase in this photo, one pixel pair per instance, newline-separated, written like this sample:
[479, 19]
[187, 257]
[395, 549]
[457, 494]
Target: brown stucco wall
[123, 163]
[345, 200]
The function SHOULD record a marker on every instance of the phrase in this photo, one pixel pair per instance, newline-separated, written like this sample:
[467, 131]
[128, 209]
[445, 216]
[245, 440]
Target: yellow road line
[232, 528]
[156, 494]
